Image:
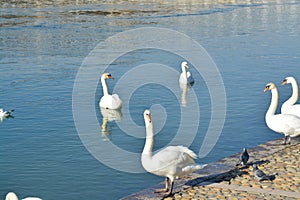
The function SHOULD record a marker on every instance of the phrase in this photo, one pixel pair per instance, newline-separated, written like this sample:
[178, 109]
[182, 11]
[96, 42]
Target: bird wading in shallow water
[170, 162]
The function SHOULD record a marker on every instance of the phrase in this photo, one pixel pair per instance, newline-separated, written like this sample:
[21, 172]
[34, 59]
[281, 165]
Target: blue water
[43, 47]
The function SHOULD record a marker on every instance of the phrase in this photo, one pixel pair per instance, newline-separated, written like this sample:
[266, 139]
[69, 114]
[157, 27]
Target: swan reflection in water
[184, 88]
[109, 115]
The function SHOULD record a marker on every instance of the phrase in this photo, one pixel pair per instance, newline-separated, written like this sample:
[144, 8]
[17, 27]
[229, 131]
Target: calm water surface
[43, 45]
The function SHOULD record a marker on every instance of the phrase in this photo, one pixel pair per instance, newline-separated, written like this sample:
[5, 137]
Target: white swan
[109, 101]
[185, 76]
[289, 107]
[13, 196]
[5, 113]
[170, 162]
[287, 124]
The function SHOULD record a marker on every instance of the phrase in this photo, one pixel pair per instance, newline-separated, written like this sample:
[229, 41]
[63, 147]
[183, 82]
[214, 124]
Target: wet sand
[223, 180]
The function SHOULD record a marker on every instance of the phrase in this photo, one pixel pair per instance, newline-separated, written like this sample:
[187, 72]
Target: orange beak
[111, 77]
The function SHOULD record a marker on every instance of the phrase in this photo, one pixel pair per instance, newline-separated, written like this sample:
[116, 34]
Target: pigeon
[259, 174]
[5, 113]
[244, 158]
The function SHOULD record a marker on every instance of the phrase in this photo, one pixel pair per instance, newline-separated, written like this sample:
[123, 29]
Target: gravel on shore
[223, 180]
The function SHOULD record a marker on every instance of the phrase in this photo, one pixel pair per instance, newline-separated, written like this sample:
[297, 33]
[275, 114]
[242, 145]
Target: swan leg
[166, 187]
[167, 194]
[289, 142]
[287, 138]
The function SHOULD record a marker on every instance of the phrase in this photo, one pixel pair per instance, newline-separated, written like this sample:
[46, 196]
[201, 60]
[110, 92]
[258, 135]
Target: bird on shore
[243, 158]
[13, 196]
[185, 76]
[170, 162]
[262, 176]
[287, 124]
[289, 106]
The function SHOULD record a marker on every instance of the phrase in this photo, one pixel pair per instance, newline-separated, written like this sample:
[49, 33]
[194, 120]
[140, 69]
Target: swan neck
[293, 99]
[274, 102]
[149, 140]
[104, 86]
[184, 71]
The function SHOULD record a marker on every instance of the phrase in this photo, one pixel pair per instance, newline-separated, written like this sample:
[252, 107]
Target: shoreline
[223, 180]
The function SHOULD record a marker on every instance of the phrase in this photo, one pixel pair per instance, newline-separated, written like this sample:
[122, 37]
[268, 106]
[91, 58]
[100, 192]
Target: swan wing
[292, 110]
[285, 123]
[110, 102]
[174, 161]
[190, 78]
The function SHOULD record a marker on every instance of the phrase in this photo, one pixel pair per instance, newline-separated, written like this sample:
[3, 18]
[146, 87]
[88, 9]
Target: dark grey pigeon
[244, 158]
[259, 174]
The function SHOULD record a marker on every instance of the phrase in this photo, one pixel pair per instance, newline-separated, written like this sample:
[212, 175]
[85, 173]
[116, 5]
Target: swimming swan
[13, 196]
[185, 76]
[289, 107]
[287, 124]
[5, 113]
[109, 101]
[170, 162]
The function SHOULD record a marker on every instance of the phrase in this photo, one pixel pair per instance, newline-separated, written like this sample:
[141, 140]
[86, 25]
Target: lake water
[44, 45]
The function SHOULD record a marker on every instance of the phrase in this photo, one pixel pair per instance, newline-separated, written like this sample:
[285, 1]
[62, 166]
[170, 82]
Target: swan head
[184, 64]
[269, 86]
[147, 117]
[287, 80]
[107, 76]
[11, 196]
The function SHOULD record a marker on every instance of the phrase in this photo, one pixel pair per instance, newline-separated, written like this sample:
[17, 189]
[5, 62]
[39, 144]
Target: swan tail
[192, 168]
[188, 151]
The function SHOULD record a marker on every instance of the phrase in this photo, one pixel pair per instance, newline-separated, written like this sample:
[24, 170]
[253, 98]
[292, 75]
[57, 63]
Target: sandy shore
[223, 180]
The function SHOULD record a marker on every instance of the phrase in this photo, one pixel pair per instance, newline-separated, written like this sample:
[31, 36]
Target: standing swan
[287, 124]
[186, 76]
[289, 107]
[13, 196]
[109, 101]
[170, 162]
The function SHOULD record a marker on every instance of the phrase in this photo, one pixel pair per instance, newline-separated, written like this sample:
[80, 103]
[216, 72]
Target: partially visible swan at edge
[289, 107]
[13, 196]
[287, 124]
[170, 162]
[109, 101]
[185, 76]
[5, 113]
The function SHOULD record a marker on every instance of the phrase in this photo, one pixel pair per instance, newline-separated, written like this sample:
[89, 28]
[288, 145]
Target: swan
[13, 196]
[5, 113]
[109, 101]
[170, 162]
[287, 124]
[289, 107]
[185, 76]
